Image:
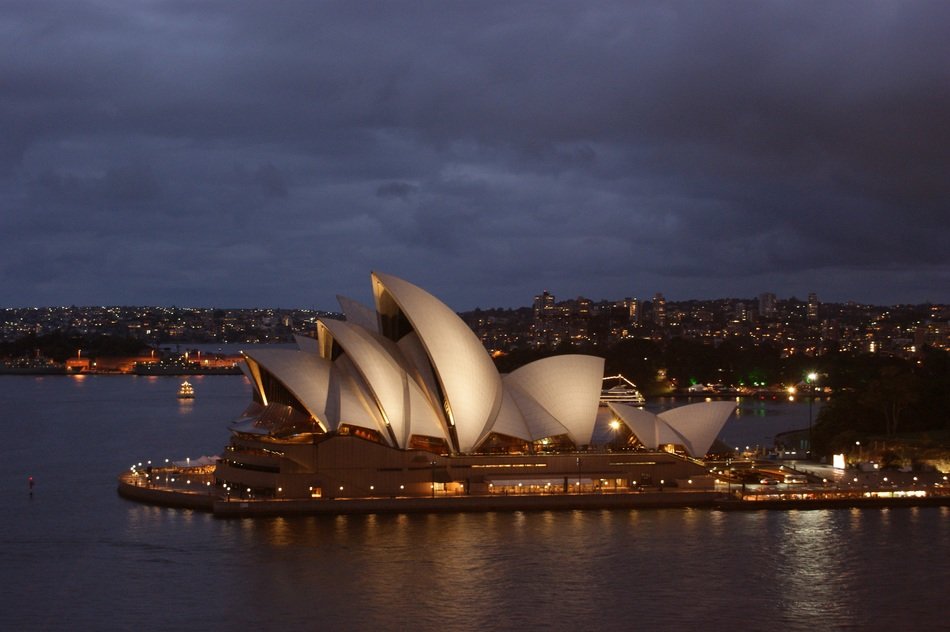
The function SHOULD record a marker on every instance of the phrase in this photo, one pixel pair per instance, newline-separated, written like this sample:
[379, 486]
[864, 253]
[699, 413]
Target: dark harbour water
[77, 557]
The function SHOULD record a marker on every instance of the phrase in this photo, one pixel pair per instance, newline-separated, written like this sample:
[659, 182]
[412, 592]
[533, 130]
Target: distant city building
[813, 306]
[797, 327]
[545, 320]
[633, 313]
[659, 310]
[767, 305]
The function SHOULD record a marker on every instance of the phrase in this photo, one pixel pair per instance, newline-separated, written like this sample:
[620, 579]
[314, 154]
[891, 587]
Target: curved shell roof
[404, 408]
[358, 314]
[567, 387]
[469, 381]
[694, 426]
[698, 423]
[641, 422]
[415, 368]
[380, 373]
[305, 375]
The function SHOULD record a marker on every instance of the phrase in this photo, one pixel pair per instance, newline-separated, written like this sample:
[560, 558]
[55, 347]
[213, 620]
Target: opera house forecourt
[402, 404]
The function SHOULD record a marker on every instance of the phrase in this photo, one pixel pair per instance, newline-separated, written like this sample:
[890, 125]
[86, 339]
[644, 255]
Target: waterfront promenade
[192, 488]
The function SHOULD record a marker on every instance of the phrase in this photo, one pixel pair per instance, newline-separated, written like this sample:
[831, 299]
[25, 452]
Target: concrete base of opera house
[237, 508]
[242, 508]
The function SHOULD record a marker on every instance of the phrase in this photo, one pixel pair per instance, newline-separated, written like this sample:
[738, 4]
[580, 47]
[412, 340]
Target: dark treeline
[652, 366]
[887, 399]
[59, 346]
[873, 396]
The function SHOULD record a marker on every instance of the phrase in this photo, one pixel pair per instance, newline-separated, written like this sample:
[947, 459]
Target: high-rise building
[580, 320]
[813, 305]
[543, 304]
[633, 305]
[545, 313]
[659, 310]
[767, 305]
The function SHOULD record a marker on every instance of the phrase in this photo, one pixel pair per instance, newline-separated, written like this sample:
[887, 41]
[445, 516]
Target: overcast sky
[239, 154]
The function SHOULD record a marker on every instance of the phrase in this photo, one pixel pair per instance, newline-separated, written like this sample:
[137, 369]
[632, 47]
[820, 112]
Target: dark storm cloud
[252, 153]
[401, 190]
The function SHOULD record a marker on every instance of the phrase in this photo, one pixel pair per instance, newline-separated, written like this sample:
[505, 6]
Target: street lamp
[614, 427]
[811, 377]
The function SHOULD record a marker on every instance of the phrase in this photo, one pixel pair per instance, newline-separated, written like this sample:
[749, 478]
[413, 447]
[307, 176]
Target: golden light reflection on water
[462, 570]
[278, 532]
[459, 571]
[855, 516]
[812, 557]
[717, 521]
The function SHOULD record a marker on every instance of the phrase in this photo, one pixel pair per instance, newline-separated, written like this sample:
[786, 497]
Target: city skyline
[240, 154]
[808, 327]
[752, 302]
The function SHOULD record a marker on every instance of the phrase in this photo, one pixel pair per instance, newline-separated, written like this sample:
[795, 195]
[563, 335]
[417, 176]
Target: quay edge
[239, 508]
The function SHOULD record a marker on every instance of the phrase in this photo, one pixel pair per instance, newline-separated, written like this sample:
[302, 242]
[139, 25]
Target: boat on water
[186, 391]
[619, 390]
[31, 368]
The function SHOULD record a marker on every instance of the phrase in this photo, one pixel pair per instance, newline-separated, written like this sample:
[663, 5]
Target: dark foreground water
[77, 557]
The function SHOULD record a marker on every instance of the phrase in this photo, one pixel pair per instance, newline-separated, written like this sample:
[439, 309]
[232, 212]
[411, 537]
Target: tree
[891, 394]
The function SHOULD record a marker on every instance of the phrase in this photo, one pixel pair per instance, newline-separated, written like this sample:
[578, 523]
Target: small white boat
[186, 391]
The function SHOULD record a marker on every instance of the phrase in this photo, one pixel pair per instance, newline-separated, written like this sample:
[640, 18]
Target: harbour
[81, 550]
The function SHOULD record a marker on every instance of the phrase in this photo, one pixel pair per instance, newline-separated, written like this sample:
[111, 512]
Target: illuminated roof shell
[401, 403]
[567, 387]
[358, 314]
[469, 381]
[694, 426]
[698, 423]
[305, 375]
[416, 369]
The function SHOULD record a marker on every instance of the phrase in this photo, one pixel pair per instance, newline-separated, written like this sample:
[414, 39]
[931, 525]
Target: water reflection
[811, 569]
[536, 570]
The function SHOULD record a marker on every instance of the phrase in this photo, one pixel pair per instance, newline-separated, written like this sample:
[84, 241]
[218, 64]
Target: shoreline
[712, 500]
[163, 373]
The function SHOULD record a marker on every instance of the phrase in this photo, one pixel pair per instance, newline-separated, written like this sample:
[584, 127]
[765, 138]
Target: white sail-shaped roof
[403, 405]
[410, 348]
[305, 375]
[358, 314]
[698, 423]
[694, 426]
[540, 422]
[306, 343]
[641, 423]
[423, 419]
[510, 421]
[470, 384]
[568, 387]
[666, 434]
[382, 376]
[350, 401]
[414, 368]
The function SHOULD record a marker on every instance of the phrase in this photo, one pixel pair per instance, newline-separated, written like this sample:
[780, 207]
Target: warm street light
[811, 377]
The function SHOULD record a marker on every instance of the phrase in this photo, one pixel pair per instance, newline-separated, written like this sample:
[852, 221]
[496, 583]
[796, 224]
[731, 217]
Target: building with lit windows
[403, 401]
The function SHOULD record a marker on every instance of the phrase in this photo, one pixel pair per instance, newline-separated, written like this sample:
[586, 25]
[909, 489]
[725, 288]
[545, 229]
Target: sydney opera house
[403, 400]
